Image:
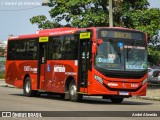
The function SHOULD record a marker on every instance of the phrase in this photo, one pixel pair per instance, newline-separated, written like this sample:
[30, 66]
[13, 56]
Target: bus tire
[116, 100]
[73, 95]
[27, 88]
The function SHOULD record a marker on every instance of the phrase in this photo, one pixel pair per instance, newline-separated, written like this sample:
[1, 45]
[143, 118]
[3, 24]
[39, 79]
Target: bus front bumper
[119, 92]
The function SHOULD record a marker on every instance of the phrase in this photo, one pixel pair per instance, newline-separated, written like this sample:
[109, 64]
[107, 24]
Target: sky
[15, 15]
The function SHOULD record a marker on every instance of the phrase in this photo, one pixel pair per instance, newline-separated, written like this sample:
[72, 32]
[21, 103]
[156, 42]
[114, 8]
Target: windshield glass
[123, 56]
[136, 57]
[109, 56]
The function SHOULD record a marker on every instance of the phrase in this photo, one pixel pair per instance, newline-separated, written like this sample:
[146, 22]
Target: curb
[5, 85]
[8, 86]
[149, 98]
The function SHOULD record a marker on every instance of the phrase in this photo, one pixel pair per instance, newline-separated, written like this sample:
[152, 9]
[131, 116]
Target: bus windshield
[120, 55]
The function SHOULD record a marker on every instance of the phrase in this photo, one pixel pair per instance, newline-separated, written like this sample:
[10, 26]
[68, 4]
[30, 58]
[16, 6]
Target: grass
[2, 75]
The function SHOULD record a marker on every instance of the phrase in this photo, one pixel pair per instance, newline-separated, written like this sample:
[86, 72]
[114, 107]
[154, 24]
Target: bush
[153, 56]
[2, 69]
[2, 75]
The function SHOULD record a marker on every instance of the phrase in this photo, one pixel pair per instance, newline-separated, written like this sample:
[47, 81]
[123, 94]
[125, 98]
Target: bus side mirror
[99, 41]
[94, 48]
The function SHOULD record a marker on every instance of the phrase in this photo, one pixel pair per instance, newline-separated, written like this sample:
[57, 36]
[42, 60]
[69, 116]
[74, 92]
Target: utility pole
[110, 14]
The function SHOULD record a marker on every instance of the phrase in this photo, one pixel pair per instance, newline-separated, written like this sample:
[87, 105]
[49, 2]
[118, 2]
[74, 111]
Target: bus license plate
[123, 93]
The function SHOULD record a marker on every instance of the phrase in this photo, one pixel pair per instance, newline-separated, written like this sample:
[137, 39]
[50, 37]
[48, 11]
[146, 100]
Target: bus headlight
[99, 79]
[144, 81]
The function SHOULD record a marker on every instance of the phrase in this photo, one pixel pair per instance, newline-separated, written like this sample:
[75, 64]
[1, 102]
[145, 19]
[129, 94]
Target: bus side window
[11, 54]
[31, 49]
[11, 50]
[55, 56]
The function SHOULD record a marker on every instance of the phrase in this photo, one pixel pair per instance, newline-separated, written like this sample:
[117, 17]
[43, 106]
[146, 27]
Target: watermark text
[20, 3]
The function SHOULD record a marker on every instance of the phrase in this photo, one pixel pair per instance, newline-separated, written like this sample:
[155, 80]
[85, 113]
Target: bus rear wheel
[27, 88]
[73, 95]
[116, 100]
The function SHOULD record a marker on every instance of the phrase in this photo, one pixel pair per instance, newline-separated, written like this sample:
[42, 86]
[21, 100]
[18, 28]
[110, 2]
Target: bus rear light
[99, 79]
[144, 81]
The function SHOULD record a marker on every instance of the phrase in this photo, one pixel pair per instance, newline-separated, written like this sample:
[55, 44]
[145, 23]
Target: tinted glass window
[113, 55]
[31, 51]
[11, 50]
[63, 48]
[22, 50]
[53, 52]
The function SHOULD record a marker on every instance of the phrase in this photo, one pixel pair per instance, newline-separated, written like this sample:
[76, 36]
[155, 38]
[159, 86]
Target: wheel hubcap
[27, 87]
[73, 90]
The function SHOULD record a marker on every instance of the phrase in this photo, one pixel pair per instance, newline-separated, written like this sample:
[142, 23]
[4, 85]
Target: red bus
[73, 62]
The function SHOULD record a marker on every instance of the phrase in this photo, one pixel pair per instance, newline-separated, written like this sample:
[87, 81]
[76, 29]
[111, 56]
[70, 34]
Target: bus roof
[55, 30]
[46, 32]
[58, 31]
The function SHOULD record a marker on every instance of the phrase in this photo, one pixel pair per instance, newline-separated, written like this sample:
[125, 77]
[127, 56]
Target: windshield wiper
[133, 45]
[117, 49]
[114, 46]
[131, 49]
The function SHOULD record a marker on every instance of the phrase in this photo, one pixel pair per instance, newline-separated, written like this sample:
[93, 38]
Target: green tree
[43, 23]
[154, 55]
[134, 14]
[86, 13]
[147, 20]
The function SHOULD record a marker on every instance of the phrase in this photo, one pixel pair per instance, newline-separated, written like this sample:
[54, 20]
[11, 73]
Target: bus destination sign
[122, 34]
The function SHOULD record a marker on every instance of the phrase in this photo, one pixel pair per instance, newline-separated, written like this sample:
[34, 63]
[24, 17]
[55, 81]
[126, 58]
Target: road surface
[12, 99]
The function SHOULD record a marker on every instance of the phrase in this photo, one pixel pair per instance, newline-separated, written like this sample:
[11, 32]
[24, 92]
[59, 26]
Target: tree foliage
[134, 14]
[147, 20]
[154, 55]
[43, 23]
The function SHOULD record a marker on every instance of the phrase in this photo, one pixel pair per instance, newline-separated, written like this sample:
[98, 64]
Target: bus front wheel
[27, 89]
[73, 95]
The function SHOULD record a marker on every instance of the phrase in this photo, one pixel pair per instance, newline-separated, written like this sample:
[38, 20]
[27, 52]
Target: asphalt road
[12, 99]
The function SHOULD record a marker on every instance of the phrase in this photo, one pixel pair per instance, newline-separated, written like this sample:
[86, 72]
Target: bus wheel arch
[71, 89]
[68, 82]
[27, 75]
[27, 87]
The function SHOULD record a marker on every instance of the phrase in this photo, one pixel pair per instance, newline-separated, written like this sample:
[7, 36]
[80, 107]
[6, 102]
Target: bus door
[83, 61]
[42, 60]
